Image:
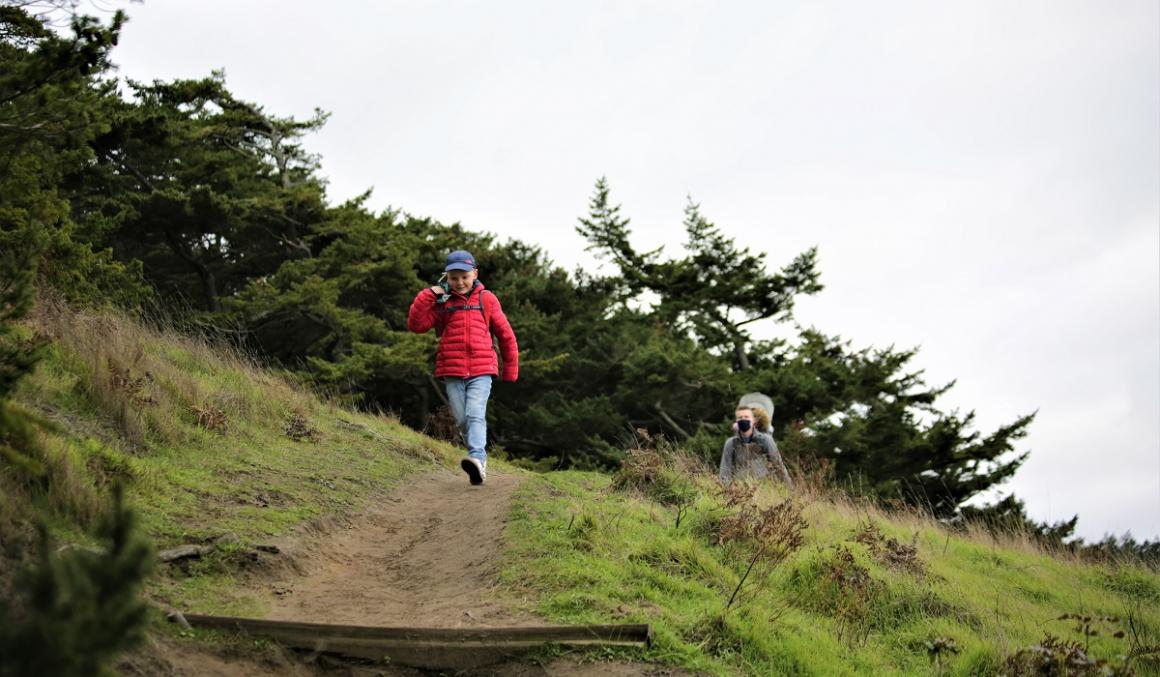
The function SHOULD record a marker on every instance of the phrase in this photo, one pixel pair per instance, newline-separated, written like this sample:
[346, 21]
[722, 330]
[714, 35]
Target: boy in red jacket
[465, 316]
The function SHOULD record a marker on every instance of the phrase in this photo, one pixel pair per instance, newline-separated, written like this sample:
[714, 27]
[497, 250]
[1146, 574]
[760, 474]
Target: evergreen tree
[79, 608]
[207, 191]
[45, 87]
[715, 291]
[52, 104]
[19, 250]
[876, 425]
[862, 412]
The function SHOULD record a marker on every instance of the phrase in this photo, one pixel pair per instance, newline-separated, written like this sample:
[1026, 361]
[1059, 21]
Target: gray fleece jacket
[751, 458]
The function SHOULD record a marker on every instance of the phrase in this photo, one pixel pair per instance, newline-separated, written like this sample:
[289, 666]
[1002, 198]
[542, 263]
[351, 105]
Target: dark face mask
[743, 425]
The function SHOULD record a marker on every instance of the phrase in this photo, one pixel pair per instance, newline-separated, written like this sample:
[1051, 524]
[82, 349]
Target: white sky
[982, 178]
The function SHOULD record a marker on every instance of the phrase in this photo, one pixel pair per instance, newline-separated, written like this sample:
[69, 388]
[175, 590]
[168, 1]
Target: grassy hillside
[213, 449]
[210, 448]
[854, 591]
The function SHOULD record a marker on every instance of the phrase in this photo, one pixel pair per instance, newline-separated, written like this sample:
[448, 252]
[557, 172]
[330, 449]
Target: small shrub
[837, 585]
[889, 551]
[80, 607]
[299, 429]
[639, 470]
[774, 533]
[1054, 656]
[211, 418]
[663, 474]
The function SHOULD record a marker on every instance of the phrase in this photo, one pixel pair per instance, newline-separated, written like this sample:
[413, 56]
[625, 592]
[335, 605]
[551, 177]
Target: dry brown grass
[211, 418]
[889, 552]
[1019, 540]
[297, 427]
[150, 388]
[156, 384]
[441, 425]
[827, 505]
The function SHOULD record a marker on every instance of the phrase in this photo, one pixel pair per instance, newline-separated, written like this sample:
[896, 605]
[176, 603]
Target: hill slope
[865, 592]
[296, 497]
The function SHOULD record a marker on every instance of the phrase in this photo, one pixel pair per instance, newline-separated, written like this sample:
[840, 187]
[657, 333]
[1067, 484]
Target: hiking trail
[425, 555]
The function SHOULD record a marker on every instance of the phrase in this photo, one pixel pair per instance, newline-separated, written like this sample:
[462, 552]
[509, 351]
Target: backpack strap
[445, 309]
[484, 309]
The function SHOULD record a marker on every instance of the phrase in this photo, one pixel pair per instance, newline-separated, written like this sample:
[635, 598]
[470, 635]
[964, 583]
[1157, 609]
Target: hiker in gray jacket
[749, 453]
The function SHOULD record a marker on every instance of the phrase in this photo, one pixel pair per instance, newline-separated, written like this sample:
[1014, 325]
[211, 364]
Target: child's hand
[439, 291]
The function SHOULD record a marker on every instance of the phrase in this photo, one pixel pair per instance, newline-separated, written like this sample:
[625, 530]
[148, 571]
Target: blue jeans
[468, 400]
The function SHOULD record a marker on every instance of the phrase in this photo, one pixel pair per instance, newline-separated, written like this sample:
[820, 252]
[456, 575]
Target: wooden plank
[457, 648]
[183, 551]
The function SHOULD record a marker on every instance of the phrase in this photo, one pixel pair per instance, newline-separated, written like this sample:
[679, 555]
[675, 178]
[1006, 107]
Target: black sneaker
[474, 470]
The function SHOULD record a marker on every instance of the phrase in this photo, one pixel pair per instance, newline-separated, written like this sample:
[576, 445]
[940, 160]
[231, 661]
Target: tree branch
[669, 419]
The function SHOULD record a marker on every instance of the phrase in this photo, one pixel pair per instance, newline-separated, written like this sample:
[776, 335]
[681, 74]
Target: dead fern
[211, 418]
[299, 429]
[939, 648]
[855, 592]
[774, 533]
[889, 551]
[135, 387]
[1053, 657]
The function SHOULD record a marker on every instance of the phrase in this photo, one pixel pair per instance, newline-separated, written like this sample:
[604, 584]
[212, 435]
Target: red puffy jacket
[465, 325]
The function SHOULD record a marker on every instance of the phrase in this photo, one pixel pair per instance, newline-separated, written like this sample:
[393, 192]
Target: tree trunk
[742, 358]
[669, 419]
[208, 280]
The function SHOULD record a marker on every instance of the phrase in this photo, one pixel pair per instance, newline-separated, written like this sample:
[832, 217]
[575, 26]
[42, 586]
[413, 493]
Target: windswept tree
[872, 419]
[206, 190]
[715, 291]
[864, 414]
[52, 104]
[50, 107]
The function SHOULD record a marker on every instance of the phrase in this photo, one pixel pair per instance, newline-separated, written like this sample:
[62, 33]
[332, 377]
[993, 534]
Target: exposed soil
[426, 556]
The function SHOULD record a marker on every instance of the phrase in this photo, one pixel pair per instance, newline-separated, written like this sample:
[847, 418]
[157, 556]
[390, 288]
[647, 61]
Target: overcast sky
[982, 179]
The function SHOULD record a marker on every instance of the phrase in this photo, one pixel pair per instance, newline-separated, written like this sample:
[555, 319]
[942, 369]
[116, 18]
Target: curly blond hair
[760, 418]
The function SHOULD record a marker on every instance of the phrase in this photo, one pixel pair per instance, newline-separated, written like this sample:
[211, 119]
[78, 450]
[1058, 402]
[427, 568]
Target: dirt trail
[427, 556]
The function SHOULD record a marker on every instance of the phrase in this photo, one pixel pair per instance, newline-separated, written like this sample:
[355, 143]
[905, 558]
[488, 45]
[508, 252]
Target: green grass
[119, 401]
[590, 553]
[122, 404]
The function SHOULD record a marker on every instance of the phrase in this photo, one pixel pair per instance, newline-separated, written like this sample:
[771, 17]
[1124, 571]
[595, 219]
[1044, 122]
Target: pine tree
[52, 104]
[79, 608]
[19, 251]
[206, 190]
[874, 422]
[713, 292]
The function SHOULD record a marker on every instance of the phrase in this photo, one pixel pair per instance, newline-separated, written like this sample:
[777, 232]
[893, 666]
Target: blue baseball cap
[460, 260]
